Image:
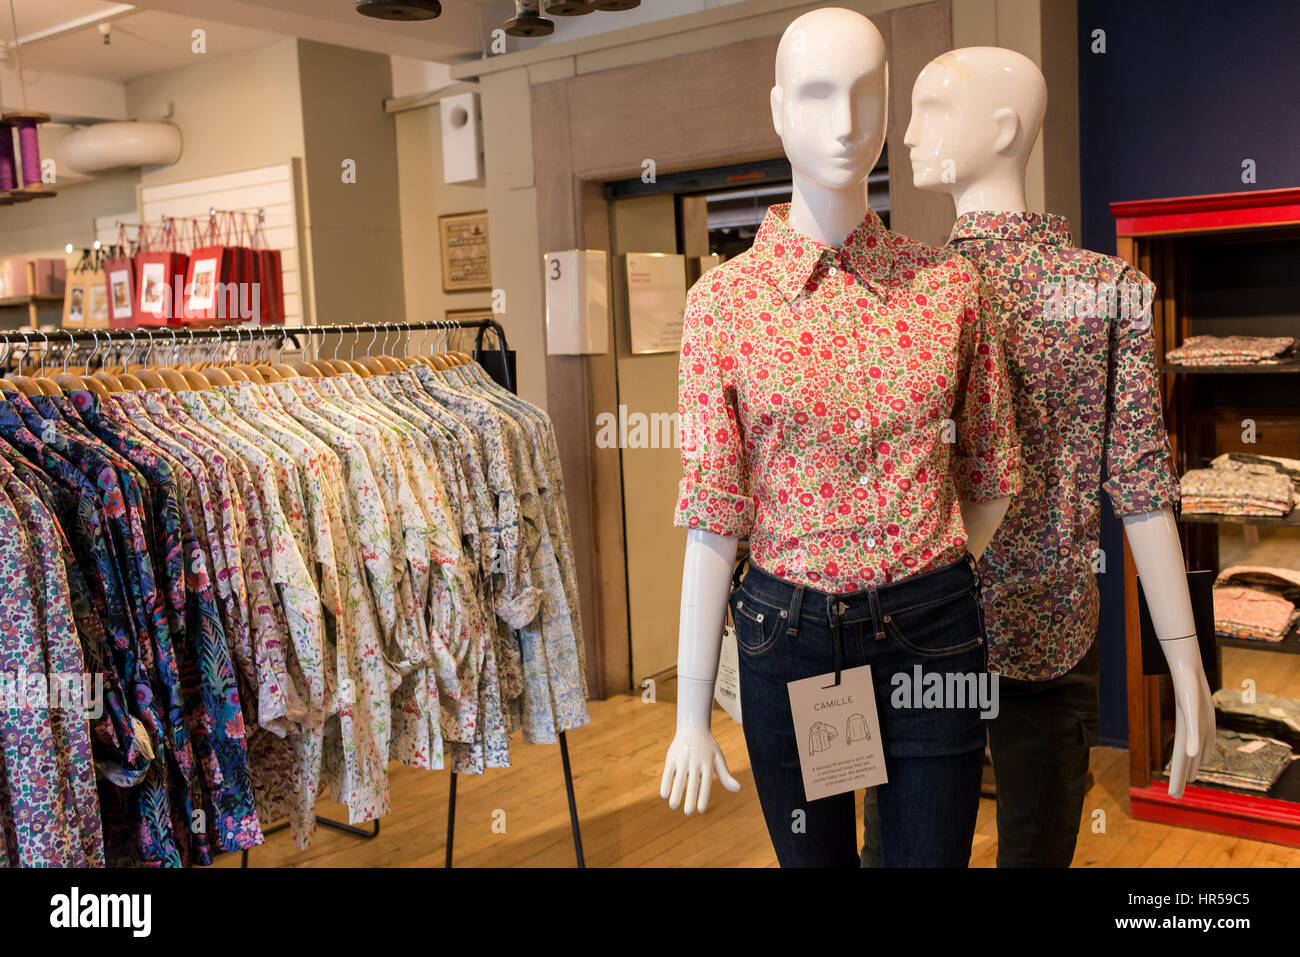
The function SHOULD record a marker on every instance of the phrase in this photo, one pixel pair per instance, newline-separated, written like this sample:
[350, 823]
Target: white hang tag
[838, 732]
[726, 690]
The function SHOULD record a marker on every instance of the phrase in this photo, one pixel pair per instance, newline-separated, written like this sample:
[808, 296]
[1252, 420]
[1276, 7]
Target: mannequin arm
[1153, 540]
[694, 756]
[982, 520]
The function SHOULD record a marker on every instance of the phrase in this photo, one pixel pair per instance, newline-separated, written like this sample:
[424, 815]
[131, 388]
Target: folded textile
[1233, 350]
[1257, 602]
[1272, 715]
[1249, 762]
[1231, 491]
[1262, 465]
[1242, 612]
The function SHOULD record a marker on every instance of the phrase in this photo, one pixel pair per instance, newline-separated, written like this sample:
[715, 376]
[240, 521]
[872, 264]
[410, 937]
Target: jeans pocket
[938, 629]
[758, 624]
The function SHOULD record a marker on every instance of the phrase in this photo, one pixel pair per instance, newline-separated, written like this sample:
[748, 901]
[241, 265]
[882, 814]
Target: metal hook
[94, 334]
[174, 354]
[338, 341]
[370, 348]
[72, 342]
[44, 352]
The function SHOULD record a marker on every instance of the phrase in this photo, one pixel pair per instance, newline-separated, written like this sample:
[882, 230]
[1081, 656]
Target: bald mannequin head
[829, 102]
[976, 113]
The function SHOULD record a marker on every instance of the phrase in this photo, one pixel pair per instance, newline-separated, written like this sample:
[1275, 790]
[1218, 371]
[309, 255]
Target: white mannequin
[981, 140]
[830, 108]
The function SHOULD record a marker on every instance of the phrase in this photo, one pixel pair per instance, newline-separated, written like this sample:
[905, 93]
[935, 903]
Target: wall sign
[656, 300]
[464, 241]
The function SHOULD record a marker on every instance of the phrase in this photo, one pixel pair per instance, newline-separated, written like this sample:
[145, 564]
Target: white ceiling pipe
[107, 146]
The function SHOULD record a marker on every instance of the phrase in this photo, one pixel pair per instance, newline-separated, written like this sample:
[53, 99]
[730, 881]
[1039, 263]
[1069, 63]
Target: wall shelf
[1206, 412]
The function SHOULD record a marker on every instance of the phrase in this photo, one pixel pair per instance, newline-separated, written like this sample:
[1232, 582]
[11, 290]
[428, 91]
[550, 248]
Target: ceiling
[63, 36]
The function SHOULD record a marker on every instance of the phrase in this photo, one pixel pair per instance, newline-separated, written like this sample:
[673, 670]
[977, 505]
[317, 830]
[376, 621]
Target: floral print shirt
[1080, 356]
[837, 403]
[49, 810]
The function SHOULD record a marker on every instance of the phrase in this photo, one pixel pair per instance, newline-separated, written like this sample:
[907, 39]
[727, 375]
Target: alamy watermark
[57, 691]
[953, 690]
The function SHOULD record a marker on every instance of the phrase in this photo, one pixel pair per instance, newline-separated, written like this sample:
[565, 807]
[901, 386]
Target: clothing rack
[169, 336]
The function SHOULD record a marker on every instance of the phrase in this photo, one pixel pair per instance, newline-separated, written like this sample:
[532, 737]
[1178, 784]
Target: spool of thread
[8, 171]
[29, 146]
[567, 8]
[528, 22]
[29, 150]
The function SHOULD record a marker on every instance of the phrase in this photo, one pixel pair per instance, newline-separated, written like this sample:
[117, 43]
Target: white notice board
[656, 300]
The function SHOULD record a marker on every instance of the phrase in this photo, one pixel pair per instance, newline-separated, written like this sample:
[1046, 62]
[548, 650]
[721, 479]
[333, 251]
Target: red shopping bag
[270, 279]
[120, 281]
[208, 289]
[160, 276]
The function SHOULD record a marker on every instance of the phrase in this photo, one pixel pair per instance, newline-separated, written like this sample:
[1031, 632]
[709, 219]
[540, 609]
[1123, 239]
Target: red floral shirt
[836, 402]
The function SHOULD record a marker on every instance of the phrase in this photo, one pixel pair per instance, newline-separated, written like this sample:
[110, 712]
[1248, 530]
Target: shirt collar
[1048, 228]
[788, 257]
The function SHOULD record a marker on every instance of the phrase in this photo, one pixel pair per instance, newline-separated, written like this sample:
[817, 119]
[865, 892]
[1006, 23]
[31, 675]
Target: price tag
[726, 690]
[838, 732]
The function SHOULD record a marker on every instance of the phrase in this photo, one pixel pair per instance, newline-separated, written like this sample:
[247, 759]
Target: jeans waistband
[796, 602]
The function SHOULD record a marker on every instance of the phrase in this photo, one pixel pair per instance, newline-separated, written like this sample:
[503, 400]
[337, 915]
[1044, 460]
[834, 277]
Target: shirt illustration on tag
[838, 731]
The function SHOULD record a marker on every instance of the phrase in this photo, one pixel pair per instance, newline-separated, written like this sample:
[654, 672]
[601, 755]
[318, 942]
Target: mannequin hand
[1194, 727]
[692, 760]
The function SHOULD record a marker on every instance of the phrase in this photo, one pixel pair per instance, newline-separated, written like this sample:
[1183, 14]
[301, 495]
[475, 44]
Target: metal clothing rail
[169, 336]
[185, 334]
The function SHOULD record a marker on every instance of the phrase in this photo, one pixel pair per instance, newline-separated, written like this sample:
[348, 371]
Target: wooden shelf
[25, 301]
[1289, 645]
[1202, 518]
[1275, 369]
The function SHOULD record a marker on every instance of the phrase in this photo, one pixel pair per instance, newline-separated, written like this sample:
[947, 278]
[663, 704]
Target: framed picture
[464, 241]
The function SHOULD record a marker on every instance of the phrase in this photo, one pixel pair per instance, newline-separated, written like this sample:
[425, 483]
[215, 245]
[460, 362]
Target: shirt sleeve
[714, 490]
[986, 463]
[1140, 476]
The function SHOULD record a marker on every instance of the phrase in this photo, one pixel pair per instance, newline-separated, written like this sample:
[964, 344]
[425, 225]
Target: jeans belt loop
[834, 609]
[796, 607]
[877, 620]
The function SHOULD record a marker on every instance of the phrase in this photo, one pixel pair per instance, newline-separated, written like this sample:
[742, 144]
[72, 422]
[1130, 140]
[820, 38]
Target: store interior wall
[1157, 124]
[424, 197]
[352, 230]
[235, 111]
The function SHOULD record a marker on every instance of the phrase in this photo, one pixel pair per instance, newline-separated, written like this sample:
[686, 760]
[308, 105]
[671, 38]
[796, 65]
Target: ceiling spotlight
[400, 9]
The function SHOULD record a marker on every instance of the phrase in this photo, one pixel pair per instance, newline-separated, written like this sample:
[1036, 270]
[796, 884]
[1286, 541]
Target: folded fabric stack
[1237, 491]
[1262, 465]
[1250, 762]
[1233, 351]
[1256, 602]
[1271, 715]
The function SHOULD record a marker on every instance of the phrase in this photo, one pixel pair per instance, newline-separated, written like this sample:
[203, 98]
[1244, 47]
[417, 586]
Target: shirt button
[859, 424]
[871, 543]
[832, 271]
[863, 480]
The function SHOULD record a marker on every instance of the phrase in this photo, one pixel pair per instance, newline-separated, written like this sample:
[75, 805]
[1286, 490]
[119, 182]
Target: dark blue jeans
[933, 755]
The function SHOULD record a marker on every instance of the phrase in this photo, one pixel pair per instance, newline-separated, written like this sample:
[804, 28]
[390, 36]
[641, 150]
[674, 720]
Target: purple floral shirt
[1076, 336]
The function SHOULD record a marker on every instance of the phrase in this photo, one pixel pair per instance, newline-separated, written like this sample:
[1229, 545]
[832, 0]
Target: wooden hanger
[65, 380]
[217, 376]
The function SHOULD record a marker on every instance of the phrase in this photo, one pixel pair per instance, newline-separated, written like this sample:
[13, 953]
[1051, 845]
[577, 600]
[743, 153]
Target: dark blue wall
[1185, 91]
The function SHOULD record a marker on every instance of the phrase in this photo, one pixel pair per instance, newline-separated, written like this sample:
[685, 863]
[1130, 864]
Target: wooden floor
[518, 817]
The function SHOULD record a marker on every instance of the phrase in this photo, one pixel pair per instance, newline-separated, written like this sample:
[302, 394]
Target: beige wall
[423, 198]
[352, 246]
[42, 227]
[238, 111]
